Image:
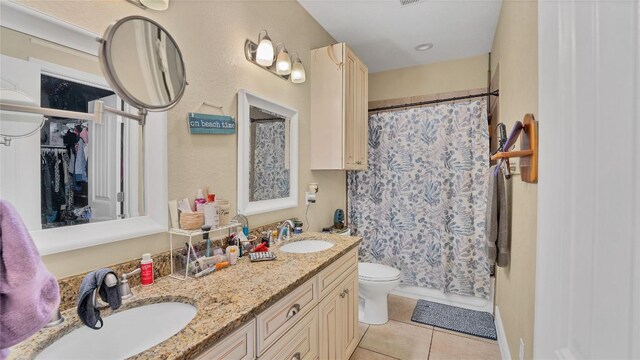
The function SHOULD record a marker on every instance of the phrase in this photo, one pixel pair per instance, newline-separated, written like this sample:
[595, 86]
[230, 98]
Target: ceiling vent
[409, 2]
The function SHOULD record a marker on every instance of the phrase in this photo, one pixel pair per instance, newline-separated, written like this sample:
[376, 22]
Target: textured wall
[211, 36]
[435, 78]
[515, 50]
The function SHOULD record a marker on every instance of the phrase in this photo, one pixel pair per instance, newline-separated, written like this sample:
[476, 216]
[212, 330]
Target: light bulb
[283, 63]
[297, 73]
[264, 54]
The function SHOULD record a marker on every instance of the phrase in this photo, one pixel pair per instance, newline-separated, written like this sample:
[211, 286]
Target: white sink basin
[123, 334]
[306, 246]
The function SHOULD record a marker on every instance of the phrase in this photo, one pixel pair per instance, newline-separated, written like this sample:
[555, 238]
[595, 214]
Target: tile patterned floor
[402, 339]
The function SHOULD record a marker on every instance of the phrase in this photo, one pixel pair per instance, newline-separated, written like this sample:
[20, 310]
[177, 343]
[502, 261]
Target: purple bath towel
[28, 291]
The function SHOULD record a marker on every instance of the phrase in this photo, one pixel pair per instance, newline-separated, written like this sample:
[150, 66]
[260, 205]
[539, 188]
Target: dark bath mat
[471, 322]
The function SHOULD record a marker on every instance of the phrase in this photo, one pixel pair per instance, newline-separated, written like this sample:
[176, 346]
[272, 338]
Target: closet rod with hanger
[430, 102]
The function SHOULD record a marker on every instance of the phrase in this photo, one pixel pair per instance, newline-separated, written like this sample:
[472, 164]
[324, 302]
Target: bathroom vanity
[316, 319]
[300, 306]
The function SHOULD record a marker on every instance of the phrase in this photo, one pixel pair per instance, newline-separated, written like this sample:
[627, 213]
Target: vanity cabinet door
[349, 308]
[330, 326]
[339, 320]
[240, 345]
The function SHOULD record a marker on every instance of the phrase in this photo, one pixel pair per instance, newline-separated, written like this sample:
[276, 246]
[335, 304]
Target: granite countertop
[225, 299]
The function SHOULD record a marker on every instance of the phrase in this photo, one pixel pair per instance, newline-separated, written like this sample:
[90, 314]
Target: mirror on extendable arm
[143, 64]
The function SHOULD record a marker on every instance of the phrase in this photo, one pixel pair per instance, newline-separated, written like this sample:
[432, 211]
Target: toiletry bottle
[200, 201]
[232, 254]
[146, 267]
[223, 212]
[205, 236]
[211, 212]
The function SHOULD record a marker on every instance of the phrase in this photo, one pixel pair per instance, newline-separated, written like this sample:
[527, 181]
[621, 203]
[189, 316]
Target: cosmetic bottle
[211, 212]
[146, 267]
[232, 254]
[200, 201]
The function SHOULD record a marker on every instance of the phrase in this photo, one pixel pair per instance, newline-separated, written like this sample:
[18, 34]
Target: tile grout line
[363, 335]
[465, 336]
[430, 344]
[373, 351]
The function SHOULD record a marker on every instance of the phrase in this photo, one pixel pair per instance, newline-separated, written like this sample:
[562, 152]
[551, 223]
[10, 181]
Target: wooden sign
[211, 124]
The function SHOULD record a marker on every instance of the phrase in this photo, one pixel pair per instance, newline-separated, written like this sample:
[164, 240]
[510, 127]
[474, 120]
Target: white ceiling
[383, 33]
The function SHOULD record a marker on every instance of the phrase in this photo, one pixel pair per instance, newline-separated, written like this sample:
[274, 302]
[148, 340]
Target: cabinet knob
[343, 294]
[346, 291]
[296, 356]
[293, 310]
[359, 162]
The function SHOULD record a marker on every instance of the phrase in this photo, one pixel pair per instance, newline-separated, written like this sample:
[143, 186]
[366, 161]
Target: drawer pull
[346, 291]
[343, 294]
[296, 356]
[293, 310]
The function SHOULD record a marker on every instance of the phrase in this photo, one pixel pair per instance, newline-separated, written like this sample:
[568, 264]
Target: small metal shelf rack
[181, 257]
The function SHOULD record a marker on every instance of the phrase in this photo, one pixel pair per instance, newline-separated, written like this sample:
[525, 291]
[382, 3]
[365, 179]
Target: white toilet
[376, 282]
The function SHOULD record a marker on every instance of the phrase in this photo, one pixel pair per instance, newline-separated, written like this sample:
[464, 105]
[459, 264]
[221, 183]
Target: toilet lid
[377, 272]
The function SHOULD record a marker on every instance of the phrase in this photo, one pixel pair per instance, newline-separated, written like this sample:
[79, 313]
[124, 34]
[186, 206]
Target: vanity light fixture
[262, 54]
[158, 5]
[283, 61]
[298, 75]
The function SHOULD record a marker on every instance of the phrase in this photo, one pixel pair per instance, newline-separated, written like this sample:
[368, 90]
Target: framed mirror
[76, 183]
[267, 155]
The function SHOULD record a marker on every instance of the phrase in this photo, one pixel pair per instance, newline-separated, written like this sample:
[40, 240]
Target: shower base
[466, 302]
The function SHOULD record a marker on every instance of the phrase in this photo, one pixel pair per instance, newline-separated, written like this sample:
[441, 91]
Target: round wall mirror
[143, 63]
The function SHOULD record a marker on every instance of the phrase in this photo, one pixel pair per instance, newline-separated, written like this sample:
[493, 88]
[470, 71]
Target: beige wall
[211, 36]
[515, 50]
[435, 78]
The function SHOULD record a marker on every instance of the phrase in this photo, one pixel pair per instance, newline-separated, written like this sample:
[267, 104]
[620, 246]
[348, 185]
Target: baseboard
[502, 337]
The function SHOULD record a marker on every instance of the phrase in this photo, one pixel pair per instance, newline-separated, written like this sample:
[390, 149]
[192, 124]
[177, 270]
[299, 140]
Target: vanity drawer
[332, 276]
[281, 316]
[299, 343]
[240, 345]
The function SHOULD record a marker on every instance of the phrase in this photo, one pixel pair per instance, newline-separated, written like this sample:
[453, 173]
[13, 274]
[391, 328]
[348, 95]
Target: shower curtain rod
[392, 107]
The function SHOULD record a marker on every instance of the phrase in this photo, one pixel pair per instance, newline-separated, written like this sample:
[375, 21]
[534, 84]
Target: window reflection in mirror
[87, 172]
[269, 156]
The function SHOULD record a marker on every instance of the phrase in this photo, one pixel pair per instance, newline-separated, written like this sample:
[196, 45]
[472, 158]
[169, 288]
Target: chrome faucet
[110, 281]
[125, 289]
[290, 225]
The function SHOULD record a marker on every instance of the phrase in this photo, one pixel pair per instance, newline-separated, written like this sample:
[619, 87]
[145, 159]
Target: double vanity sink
[175, 319]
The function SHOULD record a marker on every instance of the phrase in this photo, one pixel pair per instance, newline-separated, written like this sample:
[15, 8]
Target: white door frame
[588, 248]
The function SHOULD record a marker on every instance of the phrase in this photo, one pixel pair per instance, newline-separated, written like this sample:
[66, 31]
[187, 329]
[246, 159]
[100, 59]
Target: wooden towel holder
[528, 150]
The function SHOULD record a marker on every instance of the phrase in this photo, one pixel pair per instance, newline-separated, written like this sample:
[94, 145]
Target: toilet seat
[377, 272]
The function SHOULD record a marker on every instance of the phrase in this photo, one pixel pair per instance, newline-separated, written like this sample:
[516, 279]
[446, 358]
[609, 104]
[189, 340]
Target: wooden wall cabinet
[339, 113]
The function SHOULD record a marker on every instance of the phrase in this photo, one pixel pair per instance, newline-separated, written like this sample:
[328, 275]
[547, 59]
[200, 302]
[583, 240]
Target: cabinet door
[330, 326]
[361, 116]
[349, 311]
[350, 109]
[240, 345]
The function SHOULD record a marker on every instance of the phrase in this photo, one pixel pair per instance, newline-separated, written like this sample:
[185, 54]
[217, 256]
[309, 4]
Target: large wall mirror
[268, 155]
[74, 179]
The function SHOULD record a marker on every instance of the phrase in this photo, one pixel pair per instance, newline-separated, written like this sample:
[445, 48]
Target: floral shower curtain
[269, 174]
[420, 207]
